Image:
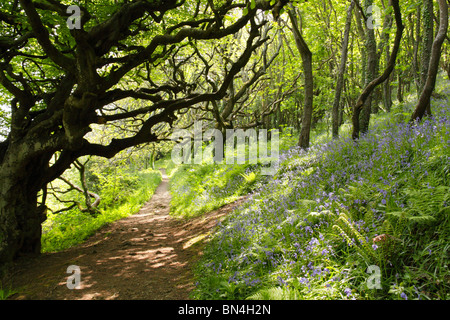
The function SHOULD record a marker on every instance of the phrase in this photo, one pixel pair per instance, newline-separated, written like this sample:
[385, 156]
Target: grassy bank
[336, 220]
[196, 189]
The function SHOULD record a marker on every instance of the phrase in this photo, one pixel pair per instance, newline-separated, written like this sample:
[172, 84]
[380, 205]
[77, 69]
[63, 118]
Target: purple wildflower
[348, 291]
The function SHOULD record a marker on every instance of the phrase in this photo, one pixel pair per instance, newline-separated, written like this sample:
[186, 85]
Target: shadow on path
[148, 255]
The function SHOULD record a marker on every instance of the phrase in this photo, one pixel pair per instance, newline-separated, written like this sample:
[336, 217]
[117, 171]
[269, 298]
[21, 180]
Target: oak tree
[59, 81]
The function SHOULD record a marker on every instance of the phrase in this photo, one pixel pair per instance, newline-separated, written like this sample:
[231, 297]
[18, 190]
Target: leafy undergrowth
[345, 220]
[63, 230]
[196, 189]
[199, 189]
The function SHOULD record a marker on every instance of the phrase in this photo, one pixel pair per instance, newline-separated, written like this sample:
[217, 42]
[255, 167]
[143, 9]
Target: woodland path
[146, 256]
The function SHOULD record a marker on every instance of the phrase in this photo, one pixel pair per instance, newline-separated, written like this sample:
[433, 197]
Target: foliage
[314, 229]
[5, 293]
[61, 231]
[132, 69]
[138, 69]
[196, 189]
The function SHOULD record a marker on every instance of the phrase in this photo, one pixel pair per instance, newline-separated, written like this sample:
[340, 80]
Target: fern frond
[249, 178]
[363, 248]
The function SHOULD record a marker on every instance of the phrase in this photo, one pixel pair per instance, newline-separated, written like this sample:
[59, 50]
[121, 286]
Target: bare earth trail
[149, 255]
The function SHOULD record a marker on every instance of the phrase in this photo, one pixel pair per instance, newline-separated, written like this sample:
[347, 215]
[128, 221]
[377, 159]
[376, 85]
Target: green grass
[199, 189]
[62, 231]
[5, 293]
[196, 189]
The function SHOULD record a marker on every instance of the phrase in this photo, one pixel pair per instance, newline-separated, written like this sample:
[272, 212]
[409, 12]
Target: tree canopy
[59, 81]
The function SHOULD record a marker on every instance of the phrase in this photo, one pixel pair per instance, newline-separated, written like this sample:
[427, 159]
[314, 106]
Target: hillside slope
[345, 220]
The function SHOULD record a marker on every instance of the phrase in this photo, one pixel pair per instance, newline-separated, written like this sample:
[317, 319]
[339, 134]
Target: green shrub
[61, 231]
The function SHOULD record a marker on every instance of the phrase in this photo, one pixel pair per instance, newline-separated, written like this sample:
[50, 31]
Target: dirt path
[148, 255]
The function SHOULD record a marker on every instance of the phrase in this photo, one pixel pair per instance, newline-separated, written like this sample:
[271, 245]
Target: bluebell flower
[303, 280]
[348, 291]
[417, 292]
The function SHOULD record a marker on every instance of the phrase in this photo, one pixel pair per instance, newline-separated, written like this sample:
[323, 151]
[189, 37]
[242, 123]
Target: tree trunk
[340, 79]
[372, 61]
[387, 92]
[387, 72]
[428, 89]
[20, 215]
[399, 87]
[20, 222]
[427, 18]
[416, 68]
[306, 55]
[387, 95]
[378, 93]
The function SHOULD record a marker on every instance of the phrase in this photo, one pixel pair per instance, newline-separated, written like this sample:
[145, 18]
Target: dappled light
[224, 150]
[147, 255]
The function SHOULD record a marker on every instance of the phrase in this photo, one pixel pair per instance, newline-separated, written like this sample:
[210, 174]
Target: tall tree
[371, 67]
[383, 77]
[306, 55]
[425, 96]
[341, 72]
[427, 44]
[387, 92]
[61, 80]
